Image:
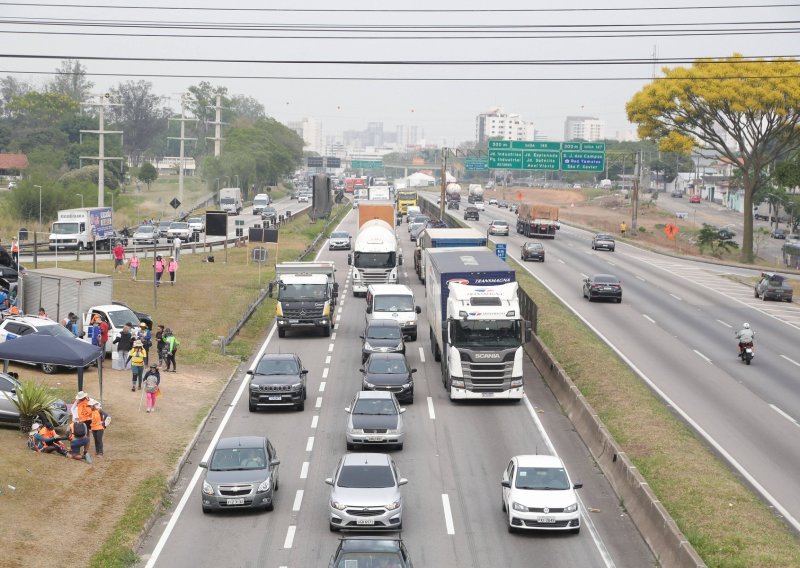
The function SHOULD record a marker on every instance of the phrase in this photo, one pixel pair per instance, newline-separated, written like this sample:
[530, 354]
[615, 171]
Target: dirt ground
[52, 490]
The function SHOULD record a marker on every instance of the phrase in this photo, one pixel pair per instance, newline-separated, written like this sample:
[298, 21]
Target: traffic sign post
[314, 161]
[500, 251]
[367, 164]
[476, 165]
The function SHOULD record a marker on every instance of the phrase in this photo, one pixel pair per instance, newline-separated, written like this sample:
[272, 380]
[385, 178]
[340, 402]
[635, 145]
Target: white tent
[450, 177]
[419, 179]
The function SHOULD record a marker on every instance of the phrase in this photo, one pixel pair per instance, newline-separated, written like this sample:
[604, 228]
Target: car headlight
[278, 310]
[253, 387]
[358, 431]
[393, 506]
[264, 485]
[392, 431]
[571, 509]
[207, 489]
[517, 507]
[367, 346]
[297, 386]
[411, 322]
[368, 385]
[338, 506]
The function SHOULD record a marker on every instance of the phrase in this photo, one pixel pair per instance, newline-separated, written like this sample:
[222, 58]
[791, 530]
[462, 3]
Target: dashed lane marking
[314, 421]
[702, 356]
[328, 360]
[676, 297]
[318, 404]
[782, 413]
[640, 278]
[448, 514]
[289, 537]
[792, 361]
[333, 336]
[322, 386]
[725, 324]
[648, 318]
[330, 348]
[431, 411]
[421, 354]
[298, 500]
[325, 370]
[304, 470]
[310, 444]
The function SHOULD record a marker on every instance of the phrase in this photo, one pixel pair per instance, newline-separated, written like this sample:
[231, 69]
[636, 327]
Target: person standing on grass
[161, 346]
[176, 247]
[119, 256]
[124, 343]
[137, 355]
[172, 349]
[172, 268]
[98, 426]
[152, 380]
[133, 264]
[159, 266]
[82, 413]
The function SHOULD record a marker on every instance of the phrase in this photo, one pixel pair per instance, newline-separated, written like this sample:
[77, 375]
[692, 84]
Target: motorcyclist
[745, 337]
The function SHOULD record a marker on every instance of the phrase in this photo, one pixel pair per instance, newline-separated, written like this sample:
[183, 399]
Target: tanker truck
[453, 195]
[475, 193]
[376, 253]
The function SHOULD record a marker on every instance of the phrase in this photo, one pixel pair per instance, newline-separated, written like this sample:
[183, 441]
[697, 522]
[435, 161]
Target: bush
[33, 399]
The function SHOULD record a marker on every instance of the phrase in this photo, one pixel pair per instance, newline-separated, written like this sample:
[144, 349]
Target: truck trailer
[444, 238]
[476, 329]
[376, 253]
[537, 220]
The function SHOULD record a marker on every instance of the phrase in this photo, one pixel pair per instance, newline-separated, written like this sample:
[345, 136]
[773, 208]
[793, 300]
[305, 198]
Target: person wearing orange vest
[43, 439]
[15, 250]
[83, 413]
[98, 426]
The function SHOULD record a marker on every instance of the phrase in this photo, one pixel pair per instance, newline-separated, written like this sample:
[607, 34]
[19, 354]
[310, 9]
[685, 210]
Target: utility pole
[635, 194]
[101, 132]
[183, 120]
[217, 138]
[444, 184]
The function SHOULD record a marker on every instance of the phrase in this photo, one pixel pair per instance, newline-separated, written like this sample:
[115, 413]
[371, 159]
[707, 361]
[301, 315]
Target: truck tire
[281, 332]
[326, 331]
[413, 336]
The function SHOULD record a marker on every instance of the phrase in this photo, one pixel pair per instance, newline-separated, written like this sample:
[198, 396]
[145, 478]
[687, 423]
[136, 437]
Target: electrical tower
[182, 165]
[102, 104]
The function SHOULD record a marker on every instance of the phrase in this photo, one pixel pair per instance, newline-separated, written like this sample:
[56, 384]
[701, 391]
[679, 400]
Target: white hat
[35, 427]
[81, 395]
[93, 402]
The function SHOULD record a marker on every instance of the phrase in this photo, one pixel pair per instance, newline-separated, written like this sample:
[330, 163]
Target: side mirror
[413, 370]
[204, 465]
[506, 483]
[304, 371]
[361, 369]
[329, 481]
[275, 463]
[349, 259]
[347, 409]
[445, 335]
[402, 410]
[361, 337]
[269, 290]
[402, 481]
[418, 310]
[369, 311]
[250, 372]
[335, 287]
[400, 261]
[577, 485]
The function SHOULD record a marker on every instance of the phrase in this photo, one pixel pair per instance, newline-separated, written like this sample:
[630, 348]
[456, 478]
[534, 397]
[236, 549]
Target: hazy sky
[444, 109]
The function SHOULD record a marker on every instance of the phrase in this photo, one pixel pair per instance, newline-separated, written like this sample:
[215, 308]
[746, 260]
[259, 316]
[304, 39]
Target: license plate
[488, 395]
[608, 289]
[239, 501]
[275, 398]
[375, 439]
[294, 321]
[365, 521]
[546, 520]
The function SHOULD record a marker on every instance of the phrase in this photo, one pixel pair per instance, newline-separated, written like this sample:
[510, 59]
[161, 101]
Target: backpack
[151, 384]
[79, 429]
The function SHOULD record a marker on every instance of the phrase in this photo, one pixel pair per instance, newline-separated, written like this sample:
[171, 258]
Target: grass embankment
[727, 524]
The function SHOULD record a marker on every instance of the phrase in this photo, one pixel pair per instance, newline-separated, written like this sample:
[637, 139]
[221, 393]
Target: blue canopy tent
[42, 347]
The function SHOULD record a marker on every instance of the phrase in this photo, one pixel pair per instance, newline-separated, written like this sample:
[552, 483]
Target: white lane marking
[324, 371]
[298, 500]
[640, 278]
[702, 356]
[676, 297]
[189, 491]
[725, 324]
[339, 311]
[330, 348]
[648, 318]
[431, 412]
[328, 358]
[318, 404]
[304, 471]
[289, 537]
[561, 261]
[314, 420]
[448, 514]
[610, 263]
[782, 413]
[333, 336]
[421, 354]
[792, 361]
[310, 444]
[585, 518]
[584, 275]
[322, 386]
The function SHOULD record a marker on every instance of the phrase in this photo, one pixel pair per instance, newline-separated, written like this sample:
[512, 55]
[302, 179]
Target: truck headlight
[278, 310]
[571, 509]
[457, 383]
[207, 489]
[516, 383]
[327, 310]
[264, 485]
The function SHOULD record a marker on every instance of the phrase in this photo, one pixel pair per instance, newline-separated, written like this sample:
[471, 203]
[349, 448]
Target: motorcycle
[746, 353]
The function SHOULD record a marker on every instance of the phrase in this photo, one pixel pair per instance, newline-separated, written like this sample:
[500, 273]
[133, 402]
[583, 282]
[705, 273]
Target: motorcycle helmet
[746, 325]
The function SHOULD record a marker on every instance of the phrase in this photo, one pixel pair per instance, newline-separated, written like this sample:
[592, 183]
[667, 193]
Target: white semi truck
[307, 293]
[476, 330]
[376, 253]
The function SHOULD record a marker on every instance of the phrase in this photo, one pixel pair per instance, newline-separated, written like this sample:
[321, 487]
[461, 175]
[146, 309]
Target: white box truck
[260, 202]
[230, 200]
[79, 228]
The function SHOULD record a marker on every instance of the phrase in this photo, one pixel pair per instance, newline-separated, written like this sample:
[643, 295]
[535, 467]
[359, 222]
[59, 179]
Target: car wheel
[49, 369]
[281, 332]
[326, 331]
[503, 503]
[576, 531]
[619, 300]
[542, 258]
[589, 295]
[755, 293]
[399, 447]
[252, 407]
[511, 528]
[764, 298]
[271, 506]
[413, 336]
[612, 249]
[302, 406]
[206, 510]
[305, 394]
[350, 446]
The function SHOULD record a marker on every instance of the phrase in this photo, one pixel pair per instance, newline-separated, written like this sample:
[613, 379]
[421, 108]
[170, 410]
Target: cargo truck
[376, 253]
[307, 293]
[444, 238]
[405, 198]
[230, 200]
[379, 193]
[453, 195]
[476, 330]
[537, 220]
[79, 228]
[475, 194]
[260, 202]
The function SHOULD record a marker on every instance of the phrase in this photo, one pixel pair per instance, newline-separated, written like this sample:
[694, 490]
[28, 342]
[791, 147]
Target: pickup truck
[773, 286]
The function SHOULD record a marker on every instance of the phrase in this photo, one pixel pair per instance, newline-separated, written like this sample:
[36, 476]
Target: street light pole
[40, 203]
[237, 179]
[81, 196]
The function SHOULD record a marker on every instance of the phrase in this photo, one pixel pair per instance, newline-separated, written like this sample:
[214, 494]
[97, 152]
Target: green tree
[246, 108]
[747, 111]
[147, 173]
[71, 80]
[11, 87]
[143, 116]
[40, 110]
[714, 241]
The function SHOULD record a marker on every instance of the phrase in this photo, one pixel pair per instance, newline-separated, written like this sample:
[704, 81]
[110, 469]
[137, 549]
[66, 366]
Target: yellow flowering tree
[746, 109]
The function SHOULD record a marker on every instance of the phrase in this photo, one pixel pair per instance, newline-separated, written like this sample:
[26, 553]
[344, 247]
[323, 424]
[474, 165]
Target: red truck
[351, 184]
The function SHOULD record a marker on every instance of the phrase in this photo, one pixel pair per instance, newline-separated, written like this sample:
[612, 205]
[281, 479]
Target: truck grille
[374, 276]
[488, 377]
[302, 313]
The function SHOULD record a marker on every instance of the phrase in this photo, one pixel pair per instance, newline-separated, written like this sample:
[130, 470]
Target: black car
[382, 336]
[602, 286]
[778, 234]
[269, 214]
[726, 234]
[278, 379]
[603, 241]
[389, 372]
[471, 212]
[371, 551]
[532, 251]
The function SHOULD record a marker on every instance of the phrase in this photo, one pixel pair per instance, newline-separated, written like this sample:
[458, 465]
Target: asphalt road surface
[676, 327]
[454, 456]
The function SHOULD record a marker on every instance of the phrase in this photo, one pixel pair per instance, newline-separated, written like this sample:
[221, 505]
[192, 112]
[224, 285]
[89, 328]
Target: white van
[394, 301]
[260, 202]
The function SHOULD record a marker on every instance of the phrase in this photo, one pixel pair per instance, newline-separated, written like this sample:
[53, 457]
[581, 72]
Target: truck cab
[395, 302]
[307, 293]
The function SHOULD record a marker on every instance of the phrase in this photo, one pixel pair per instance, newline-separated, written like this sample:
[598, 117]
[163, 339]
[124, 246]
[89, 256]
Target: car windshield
[56, 330]
[383, 332]
[226, 200]
[298, 292]
[479, 334]
[500, 223]
[65, 228]
[277, 367]
[367, 476]
[121, 317]
[374, 407]
[238, 459]
[260, 201]
[339, 235]
[542, 478]
[146, 229]
[534, 246]
[195, 220]
[394, 366]
[179, 226]
[370, 560]
[374, 260]
[393, 303]
[604, 238]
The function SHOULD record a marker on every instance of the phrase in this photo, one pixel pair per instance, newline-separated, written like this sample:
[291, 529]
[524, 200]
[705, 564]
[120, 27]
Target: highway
[676, 327]
[454, 456]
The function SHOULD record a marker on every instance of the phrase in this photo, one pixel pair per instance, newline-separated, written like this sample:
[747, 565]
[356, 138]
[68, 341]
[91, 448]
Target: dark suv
[471, 212]
[269, 214]
[371, 551]
[279, 379]
[382, 336]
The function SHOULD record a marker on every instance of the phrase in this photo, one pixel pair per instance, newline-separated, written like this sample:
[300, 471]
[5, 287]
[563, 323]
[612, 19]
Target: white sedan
[498, 227]
[179, 229]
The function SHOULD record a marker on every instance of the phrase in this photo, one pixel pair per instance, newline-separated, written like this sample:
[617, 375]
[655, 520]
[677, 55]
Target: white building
[589, 128]
[497, 124]
[310, 129]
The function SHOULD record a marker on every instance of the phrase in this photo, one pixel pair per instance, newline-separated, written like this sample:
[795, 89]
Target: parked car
[179, 229]
[196, 224]
[340, 240]
[365, 493]
[603, 241]
[389, 372]
[498, 227]
[242, 474]
[278, 379]
[602, 286]
[726, 234]
[694, 199]
[13, 327]
[502, 204]
[371, 551]
[471, 212]
[778, 234]
[146, 235]
[143, 317]
[538, 494]
[532, 251]
[9, 413]
[773, 286]
[374, 418]
[12, 185]
[382, 336]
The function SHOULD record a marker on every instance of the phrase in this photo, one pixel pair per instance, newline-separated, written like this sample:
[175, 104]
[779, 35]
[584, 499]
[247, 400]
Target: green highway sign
[476, 165]
[593, 146]
[367, 164]
[535, 155]
[540, 160]
[583, 161]
[505, 159]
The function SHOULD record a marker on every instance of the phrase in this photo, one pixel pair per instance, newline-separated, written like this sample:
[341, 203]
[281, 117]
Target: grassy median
[725, 521]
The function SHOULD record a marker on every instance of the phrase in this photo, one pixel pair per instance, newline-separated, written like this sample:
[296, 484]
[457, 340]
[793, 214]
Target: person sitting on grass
[43, 439]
